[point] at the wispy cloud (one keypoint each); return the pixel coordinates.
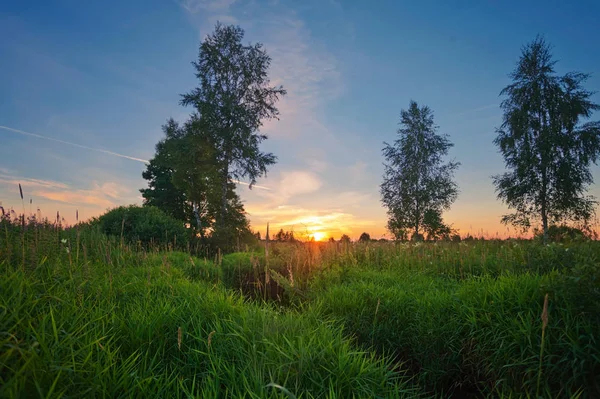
(194, 6)
(97, 197)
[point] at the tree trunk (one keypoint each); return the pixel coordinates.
(544, 207)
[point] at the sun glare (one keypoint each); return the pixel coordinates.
(319, 235)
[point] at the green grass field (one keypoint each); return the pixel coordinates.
(83, 315)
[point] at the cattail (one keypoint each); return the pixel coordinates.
(544, 325)
(179, 338)
(77, 215)
(210, 337)
(21, 191)
(267, 243)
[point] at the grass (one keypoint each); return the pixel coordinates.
(102, 319)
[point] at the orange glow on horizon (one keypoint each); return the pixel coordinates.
(318, 235)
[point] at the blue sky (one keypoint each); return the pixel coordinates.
(107, 75)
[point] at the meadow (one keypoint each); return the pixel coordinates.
(83, 314)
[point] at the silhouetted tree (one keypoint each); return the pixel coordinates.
(331, 239)
(364, 237)
(345, 238)
(434, 226)
(280, 236)
(416, 180)
(186, 160)
(545, 148)
(233, 99)
(161, 191)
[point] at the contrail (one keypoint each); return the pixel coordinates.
(39, 136)
(73, 144)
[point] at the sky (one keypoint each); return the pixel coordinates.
(86, 86)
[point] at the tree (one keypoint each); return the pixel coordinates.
(345, 238)
(284, 236)
(364, 237)
(184, 168)
(435, 227)
(543, 144)
(233, 99)
(280, 236)
(416, 180)
(161, 191)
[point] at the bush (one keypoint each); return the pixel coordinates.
(146, 225)
(563, 233)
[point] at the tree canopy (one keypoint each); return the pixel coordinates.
(546, 149)
(233, 99)
(416, 181)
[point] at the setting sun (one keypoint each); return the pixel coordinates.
(319, 235)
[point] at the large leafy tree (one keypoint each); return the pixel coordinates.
(183, 177)
(162, 192)
(416, 180)
(233, 99)
(546, 149)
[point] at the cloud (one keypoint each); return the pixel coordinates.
(307, 71)
(31, 183)
(195, 6)
(302, 220)
(96, 199)
(78, 197)
(298, 182)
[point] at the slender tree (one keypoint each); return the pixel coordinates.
(232, 100)
(546, 149)
(416, 179)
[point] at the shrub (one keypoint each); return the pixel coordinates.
(146, 225)
(563, 233)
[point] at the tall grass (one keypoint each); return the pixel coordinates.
(82, 314)
(126, 323)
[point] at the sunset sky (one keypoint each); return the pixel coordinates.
(99, 78)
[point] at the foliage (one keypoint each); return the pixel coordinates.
(416, 180)
(162, 192)
(232, 100)
(284, 236)
(434, 226)
(87, 315)
(364, 237)
(95, 330)
(543, 143)
(345, 238)
(563, 233)
(146, 225)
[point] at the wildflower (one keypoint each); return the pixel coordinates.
(68, 250)
(64, 240)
